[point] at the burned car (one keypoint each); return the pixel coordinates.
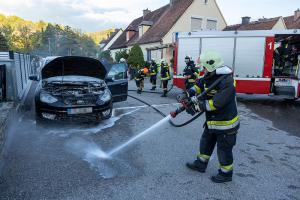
(75, 88)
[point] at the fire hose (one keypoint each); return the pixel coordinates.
(184, 106)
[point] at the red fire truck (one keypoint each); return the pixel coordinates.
(251, 55)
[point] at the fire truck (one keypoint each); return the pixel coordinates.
(251, 56)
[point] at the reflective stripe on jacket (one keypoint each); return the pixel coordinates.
(220, 103)
(165, 73)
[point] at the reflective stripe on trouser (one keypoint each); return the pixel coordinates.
(226, 168)
(203, 157)
(225, 144)
(191, 80)
(223, 125)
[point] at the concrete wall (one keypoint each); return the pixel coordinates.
(197, 9)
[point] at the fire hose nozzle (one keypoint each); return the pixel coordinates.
(173, 114)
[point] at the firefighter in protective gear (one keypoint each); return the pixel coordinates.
(165, 77)
(222, 120)
(139, 79)
(190, 73)
(153, 74)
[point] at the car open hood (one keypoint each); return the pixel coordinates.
(73, 66)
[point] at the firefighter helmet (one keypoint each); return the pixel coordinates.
(122, 60)
(211, 60)
(187, 59)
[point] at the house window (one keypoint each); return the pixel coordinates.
(211, 24)
(196, 24)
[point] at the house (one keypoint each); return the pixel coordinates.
(293, 22)
(276, 23)
(155, 30)
(105, 44)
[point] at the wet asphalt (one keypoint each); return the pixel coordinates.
(62, 161)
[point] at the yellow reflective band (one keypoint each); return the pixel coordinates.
(223, 123)
(203, 157)
(191, 80)
(210, 105)
(197, 89)
(226, 168)
(234, 83)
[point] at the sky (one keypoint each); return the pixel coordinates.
(95, 15)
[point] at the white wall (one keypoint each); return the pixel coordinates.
(279, 25)
(197, 9)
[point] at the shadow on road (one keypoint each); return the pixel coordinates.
(284, 114)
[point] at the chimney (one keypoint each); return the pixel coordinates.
(297, 14)
(146, 12)
(245, 20)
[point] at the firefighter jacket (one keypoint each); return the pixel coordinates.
(140, 75)
(165, 73)
(192, 71)
(153, 70)
(220, 103)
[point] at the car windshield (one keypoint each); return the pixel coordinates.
(118, 71)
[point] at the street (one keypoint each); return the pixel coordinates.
(62, 162)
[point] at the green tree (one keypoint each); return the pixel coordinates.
(106, 55)
(136, 57)
(3, 43)
(121, 54)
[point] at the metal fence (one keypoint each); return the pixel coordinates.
(18, 67)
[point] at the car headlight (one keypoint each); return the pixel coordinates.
(106, 96)
(47, 98)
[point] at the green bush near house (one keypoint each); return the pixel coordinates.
(106, 55)
(121, 54)
(136, 57)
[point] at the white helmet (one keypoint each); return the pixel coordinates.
(211, 60)
(122, 60)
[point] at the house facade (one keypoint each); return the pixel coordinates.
(155, 30)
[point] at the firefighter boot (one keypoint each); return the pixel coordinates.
(222, 177)
(164, 94)
(153, 88)
(197, 165)
(139, 91)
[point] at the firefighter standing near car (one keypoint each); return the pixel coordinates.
(140, 77)
(153, 74)
(190, 73)
(165, 77)
(222, 120)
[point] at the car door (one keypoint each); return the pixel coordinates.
(117, 81)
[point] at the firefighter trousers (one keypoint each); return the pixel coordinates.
(153, 80)
(165, 85)
(140, 84)
(225, 143)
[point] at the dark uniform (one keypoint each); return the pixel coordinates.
(190, 72)
(165, 77)
(153, 74)
(281, 58)
(222, 123)
(139, 80)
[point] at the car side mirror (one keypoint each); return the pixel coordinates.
(109, 79)
(33, 77)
